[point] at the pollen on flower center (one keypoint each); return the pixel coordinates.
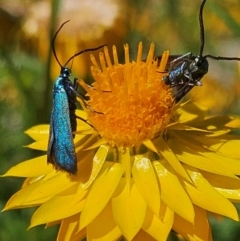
(129, 103)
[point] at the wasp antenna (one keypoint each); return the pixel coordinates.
(221, 57)
(202, 37)
(53, 42)
(83, 51)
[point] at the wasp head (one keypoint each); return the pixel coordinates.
(199, 67)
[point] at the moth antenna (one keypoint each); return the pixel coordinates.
(53, 42)
(202, 36)
(83, 51)
(71, 63)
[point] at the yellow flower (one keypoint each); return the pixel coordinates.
(135, 104)
(145, 168)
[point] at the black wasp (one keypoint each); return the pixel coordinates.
(61, 151)
(186, 71)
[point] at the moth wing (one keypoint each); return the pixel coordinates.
(61, 151)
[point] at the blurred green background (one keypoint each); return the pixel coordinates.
(27, 70)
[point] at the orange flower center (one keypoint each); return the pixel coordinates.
(129, 103)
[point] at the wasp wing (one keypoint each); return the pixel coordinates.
(170, 59)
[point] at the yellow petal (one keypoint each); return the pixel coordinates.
(199, 231)
(68, 228)
(234, 123)
(146, 182)
(30, 180)
(85, 162)
(98, 161)
(100, 193)
(84, 131)
(51, 224)
(75, 236)
(82, 125)
(203, 163)
(152, 224)
(172, 188)
(170, 157)
(228, 187)
(129, 209)
(81, 114)
(83, 128)
(142, 235)
(39, 132)
(103, 227)
(221, 181)
(86, 142)
(230, 165)
(31, 168)
(197, 160)
(191, 111)
(214, 123)
(79, 137)
(125, 159)
(59, 207)
(183, 127)
(39, 145)
(188, 139)
(221, 132)
(17, 200)
(201, 227)
(205, 196)
(97, 144)
(150, 146)
(227, 148)
(49, 187)
(216, 143)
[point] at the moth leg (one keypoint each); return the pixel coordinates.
(81, 96)
(85, 121)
